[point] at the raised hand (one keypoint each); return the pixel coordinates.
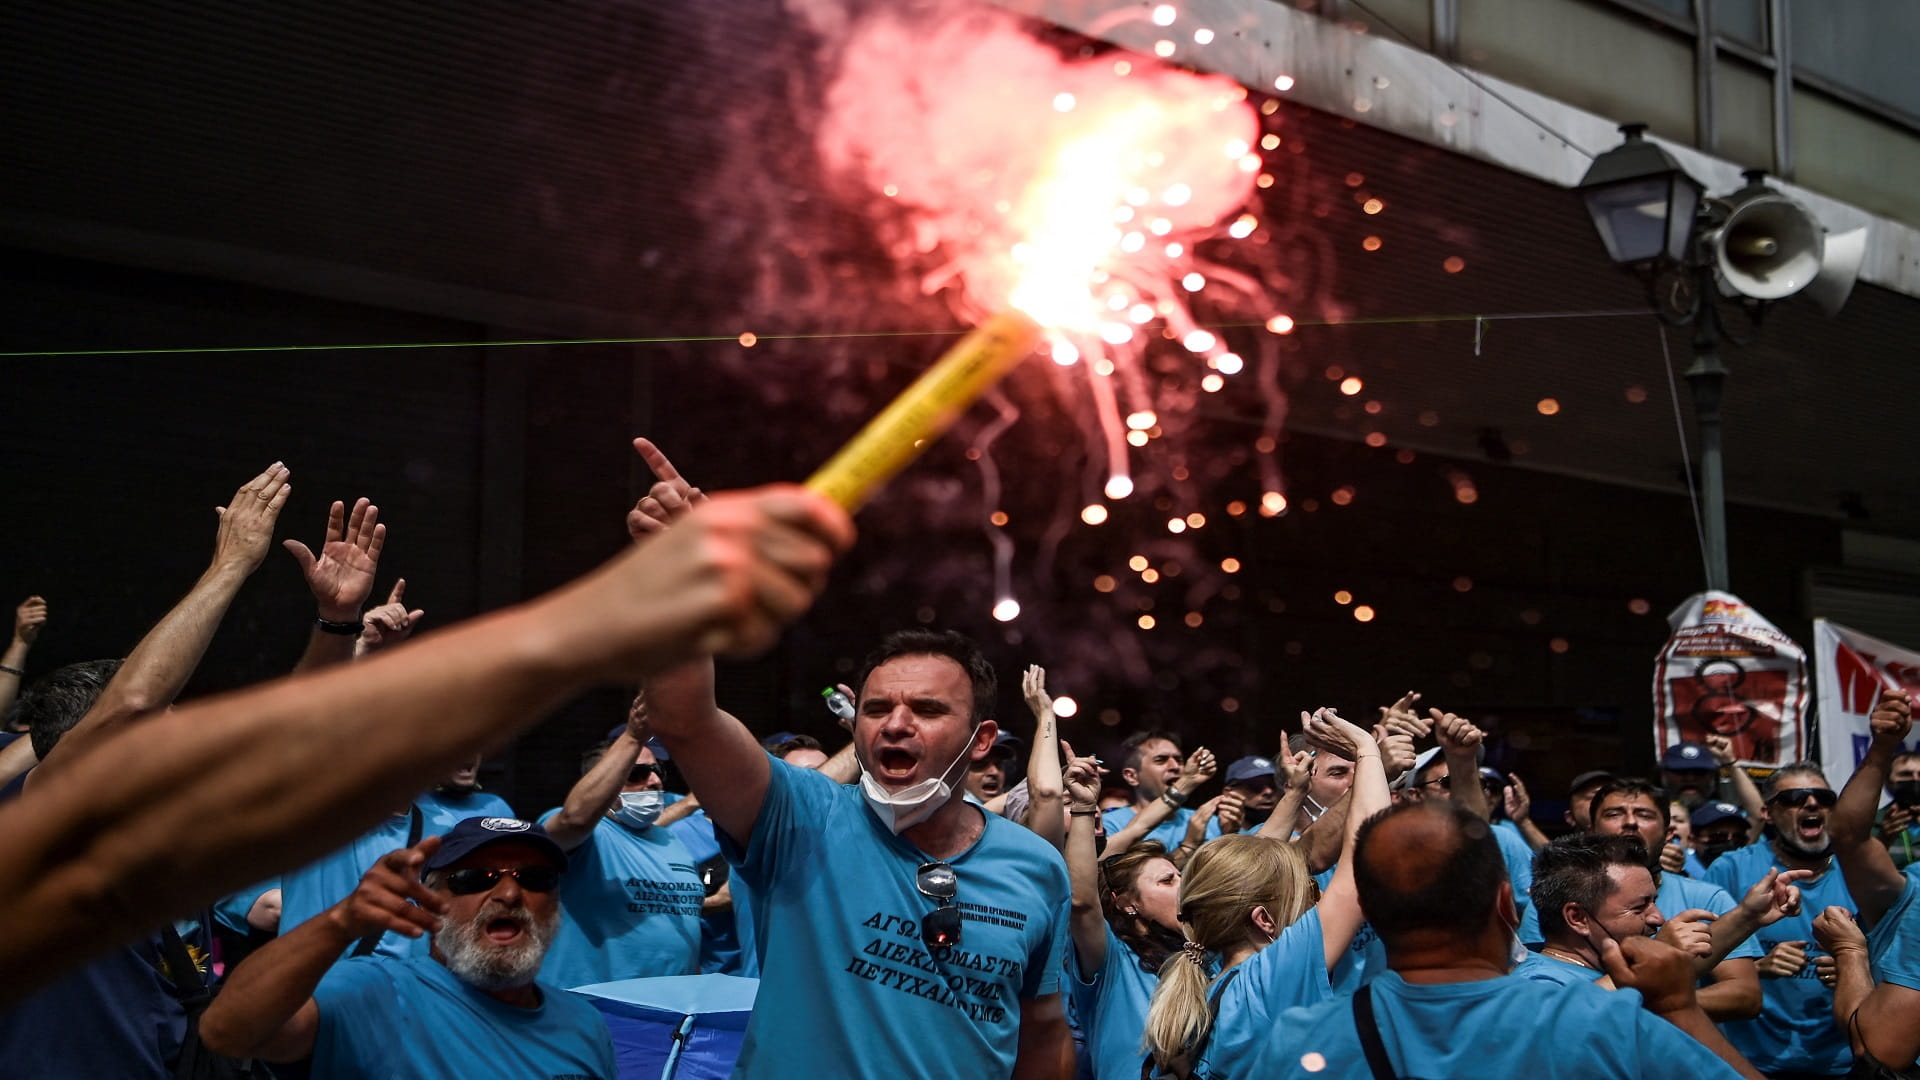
(1892, 716)
(388, 624)
(28, 618)
(1082, 779)
(1519, 806)
(1198, 769)
(1663, 974)
(246, 522)
(1456, 735)
(1296, 768)
(1785, 961)
(667, 501)
(1396, 750)
(1721, 748)
(1400, 718)
(341, 576)
(1691, 932)
(723, 580)
(1673, 858)
(1327, 731)
(1894, 822)
(637, 728)
(381, 901)
(1033, 687)
(1774, 897)
(1231, 812)
(1197, 824)
(1836, 932)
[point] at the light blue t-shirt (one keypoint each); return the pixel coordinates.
(838, 913)
(724, 941)
(1365, 955)
(317, 886)
(445, 810)
(630, 908)
(1694, 868)
(1795, 1031)
(1679, 893)
(1519, 859)
(1893, 945)
(398, 1020)
(1540, 967)
(1289, 973)
(1500, 1027)
(1112, 1007)
(1170, 833)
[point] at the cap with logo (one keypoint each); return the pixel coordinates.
(1686, 756)
(1713, 812)
(1252, 767)
(475, 833)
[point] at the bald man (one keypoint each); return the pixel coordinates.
(1433, 885)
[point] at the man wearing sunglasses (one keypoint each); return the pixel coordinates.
(490, 901)
(632, 890)
(1794, 1032)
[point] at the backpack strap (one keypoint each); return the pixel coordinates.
(415, 823)
(1183, 1065)
(1363, 1021)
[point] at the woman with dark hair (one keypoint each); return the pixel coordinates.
(1123, 928)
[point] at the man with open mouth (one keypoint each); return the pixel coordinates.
(1794, 1032)
(489, 900)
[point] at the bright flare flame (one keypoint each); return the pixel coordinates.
(1007, 610)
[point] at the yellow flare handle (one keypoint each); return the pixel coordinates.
(924, 411)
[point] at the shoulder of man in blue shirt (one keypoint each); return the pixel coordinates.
(1894, 942)
(1577, 1031)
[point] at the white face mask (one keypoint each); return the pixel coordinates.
(902, 810)
(640, 809)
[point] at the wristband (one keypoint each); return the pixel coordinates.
(14, 671)
(1174, 797)
(344, 629)
(1095, 812)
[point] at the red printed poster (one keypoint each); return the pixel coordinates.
(1728, 671)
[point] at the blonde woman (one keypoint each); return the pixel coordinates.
(1247, 904)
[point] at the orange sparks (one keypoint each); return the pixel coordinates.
(1351, 385)
(1548, 406)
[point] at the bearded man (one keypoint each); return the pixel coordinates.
(471, 1008)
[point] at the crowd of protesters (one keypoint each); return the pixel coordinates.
(332, 894)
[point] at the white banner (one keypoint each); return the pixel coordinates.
(1851, 669)
(1728, 671)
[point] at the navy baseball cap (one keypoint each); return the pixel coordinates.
(1682, 757)
(475, 833)
(1716, 811)
(1249, 768)
(1006, 744)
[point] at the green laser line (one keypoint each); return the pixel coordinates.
(1383, 320)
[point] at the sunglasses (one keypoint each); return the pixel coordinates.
(640, 774)
(530, 878)
(1823, 797)
(941, 928)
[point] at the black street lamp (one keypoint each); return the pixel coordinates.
(1755, 245)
